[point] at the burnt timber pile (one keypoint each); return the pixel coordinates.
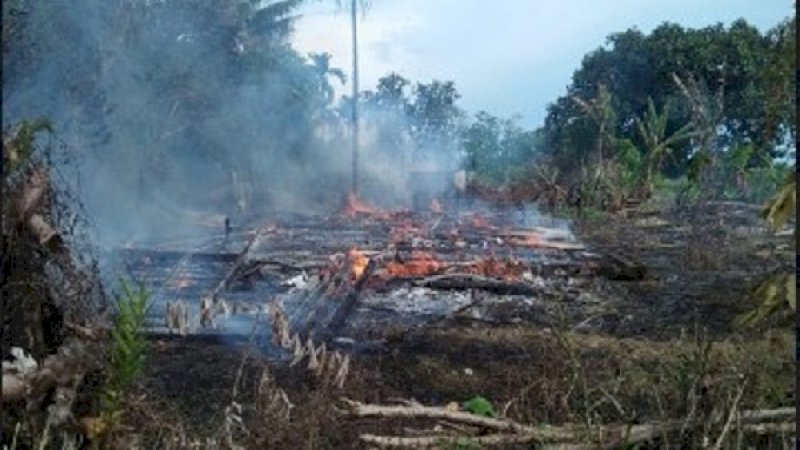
(442, 304)
(348, 278)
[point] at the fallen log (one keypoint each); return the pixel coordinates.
(415, 410)
(533, 242)
(137, 253)
(308, 302)
(569, 436)
(344, 310)
(470, 281)
(437, 441)
(557, 234)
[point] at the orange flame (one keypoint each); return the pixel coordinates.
(419, 265)
(354, 207)
(506, 269)
(358, 263)
(478, 221)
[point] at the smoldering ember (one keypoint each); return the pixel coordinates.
(223, 229)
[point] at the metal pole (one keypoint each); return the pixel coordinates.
(355, 98)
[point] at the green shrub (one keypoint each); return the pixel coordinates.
(128, 345)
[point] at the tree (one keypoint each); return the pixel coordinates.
(497, 150)
(600, 110)
(779, 121)
(321, 67)
(657, 144)
(391, 92)
(434, 115)
(739, 63)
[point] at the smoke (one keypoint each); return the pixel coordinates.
(184, 112)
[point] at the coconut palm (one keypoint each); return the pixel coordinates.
(321, 65)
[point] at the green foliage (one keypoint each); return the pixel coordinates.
(128, 345)
(697, 164)
(601, 111)
(778, 75)
(782, 207)
(391, 94)
(741, 173)
(20, 147)
(774, 295)
(658, 145)
(778, 292)
(480, 406)
(323, 70)
(153, 84)
(630, 162)
(497, 150)
(434, 117)
(719, 87)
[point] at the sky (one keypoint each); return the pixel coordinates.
(507, 57)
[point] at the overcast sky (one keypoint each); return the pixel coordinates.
(505, 56)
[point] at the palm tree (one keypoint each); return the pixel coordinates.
(601, 112)
(652, 128)
(321, 63)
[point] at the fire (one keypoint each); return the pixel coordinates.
(419, 265)
(355, 207)
(496, 268)
(478, 221)
(358, 263)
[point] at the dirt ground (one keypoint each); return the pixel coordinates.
(700, 265)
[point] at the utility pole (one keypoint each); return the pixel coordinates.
(355, 98)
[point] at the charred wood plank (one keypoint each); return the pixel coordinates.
(138, 253)
(309, 308)
(470, 281)
(347, 307)
(241, 260)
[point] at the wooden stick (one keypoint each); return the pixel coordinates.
(615, 435)
(771, 428)
(540, 433)
(438, 441)
(240, 260)
(728, 423)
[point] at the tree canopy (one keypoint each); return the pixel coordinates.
(748, 68)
